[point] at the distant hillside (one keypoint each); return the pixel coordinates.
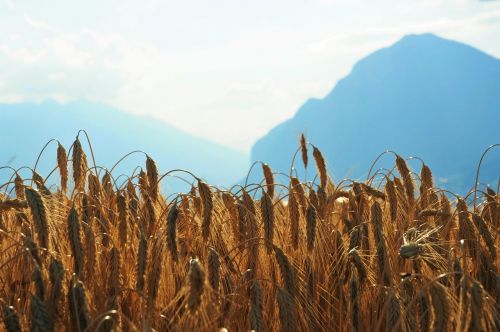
(423, 96)
(26, 127)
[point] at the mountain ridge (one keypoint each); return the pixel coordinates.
(113, 134)
(400, 98)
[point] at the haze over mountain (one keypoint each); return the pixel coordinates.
(423, 96)
(26, 127)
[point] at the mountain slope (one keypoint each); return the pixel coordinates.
(26, 127)
(423, 96)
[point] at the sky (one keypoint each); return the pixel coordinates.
(225, 70)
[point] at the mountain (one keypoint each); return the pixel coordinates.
(423, 96)
(26, 127)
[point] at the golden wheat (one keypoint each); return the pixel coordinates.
(92, 254)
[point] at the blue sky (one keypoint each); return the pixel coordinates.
(224, 70)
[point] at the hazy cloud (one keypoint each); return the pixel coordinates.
(207, 67)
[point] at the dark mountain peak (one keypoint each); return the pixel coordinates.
(424, 49)
(424, 96)
(428, 43)
(426, 37)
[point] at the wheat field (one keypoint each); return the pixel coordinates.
(392, 253)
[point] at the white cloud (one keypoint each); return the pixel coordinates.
(217, 70)
(39, 25)
(9, 4)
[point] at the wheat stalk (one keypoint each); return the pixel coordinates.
(286, 310)
(123, 222)
(303, 149)
(40, 216)
(152, 173)
(267, 212)
(294, 216)
(287, 272)
(78, 306)
(62, 164)
(311, 227)
(196, 277)
(441, 307)
(172, 216)
(75, 240)
(206, 199)
(214, 269)
(19, 187)
(79, 160)
(321, 166)
(268, 175)
(255, 316)
(11, 319)
(142, 259)
(40, 318)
